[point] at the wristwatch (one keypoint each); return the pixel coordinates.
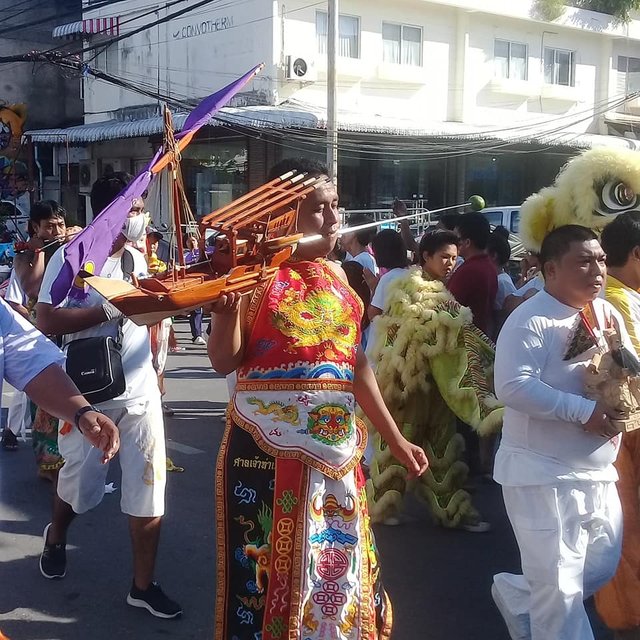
(81, 412)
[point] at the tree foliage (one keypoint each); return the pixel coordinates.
(619, 9)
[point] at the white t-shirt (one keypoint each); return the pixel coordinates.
(536, 283)
(14, 292)
(379, 297)
(543, 440)
(365, 259)
(505, 288)
(136, 345)
(24, 351)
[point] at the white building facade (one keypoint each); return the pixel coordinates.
(436, 99)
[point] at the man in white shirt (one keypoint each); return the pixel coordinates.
(356, 242)
(555, 460)
(137, 412)
(18, 413)
(33, 364)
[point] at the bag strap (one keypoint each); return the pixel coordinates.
(127, 264)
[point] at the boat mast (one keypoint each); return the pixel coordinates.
(174, 168)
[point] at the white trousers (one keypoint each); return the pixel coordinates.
(142, 456)
(19, 414)
(569, 537)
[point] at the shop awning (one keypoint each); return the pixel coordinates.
(109, 26)
(294, 116)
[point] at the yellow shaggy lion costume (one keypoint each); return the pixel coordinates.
(432, 364)
(590, 190)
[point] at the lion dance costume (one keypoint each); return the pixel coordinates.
(591, 190)
(296, 555)
(432, 364)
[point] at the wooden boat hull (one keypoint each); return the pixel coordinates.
(155, 299)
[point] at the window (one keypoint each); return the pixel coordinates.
(401, 44)
(108, 58)
(510, 60)
(215, 173)
(348, 34)
(630, 67)
(559, 67)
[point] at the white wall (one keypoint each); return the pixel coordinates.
(186, 57)
(368, 84)
(207, 48)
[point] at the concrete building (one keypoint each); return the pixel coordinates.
(46, 95)
(438, 99)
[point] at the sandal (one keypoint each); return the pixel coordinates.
(173, 467)
(9, 440)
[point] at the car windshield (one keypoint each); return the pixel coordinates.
(494, 217)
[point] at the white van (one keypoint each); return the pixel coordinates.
(508, 216)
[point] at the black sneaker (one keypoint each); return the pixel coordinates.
(53, 559)
(154, 600)
(9, 440)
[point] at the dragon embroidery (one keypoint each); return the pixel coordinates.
(280, 411)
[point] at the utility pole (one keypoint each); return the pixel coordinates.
(332, 96)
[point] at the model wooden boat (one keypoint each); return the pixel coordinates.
(254, 235)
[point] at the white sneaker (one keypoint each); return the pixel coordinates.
(199, 340)
(517, 627)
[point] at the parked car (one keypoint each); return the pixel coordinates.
(507, 216)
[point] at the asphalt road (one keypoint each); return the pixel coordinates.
(438, 580)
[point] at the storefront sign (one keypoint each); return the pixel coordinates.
(203, 28)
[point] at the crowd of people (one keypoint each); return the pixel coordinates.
(372, 363)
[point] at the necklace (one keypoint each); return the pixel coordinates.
(115, 263)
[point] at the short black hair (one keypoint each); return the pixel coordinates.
(620, 237)
(365, 236)
(449, 220)
(314, 168)
(46, 209)
(389, 249)
(499, 247)
(474, 227)
(431, 242)
(106, 189)
(558, 243)
(501, 231)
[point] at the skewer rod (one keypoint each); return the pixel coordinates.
(379, 223)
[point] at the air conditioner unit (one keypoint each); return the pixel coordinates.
(301, 68)
(87, 175)
(113, 165)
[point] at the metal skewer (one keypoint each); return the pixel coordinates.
(473, 204)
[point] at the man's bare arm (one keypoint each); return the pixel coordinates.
(58, 321)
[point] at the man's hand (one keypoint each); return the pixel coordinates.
(101, 432)
(228, 303)
(399, 209)
(600, 421)
(34, 243)
(411, 456)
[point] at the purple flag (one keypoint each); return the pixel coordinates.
(90, 249)
(213, 103)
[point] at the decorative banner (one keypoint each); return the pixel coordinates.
(14, 175)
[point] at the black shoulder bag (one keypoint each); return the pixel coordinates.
(95, 364)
